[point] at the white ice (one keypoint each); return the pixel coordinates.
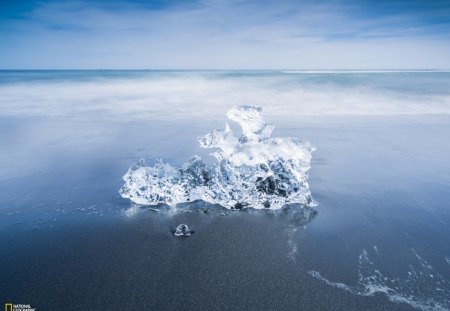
(253, 170)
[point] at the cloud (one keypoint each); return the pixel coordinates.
(224, 34)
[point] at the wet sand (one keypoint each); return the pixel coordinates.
(67, 242)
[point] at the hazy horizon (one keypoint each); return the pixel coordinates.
(312, 70)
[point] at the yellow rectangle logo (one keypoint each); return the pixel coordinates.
(8, 306)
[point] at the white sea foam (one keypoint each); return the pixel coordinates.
(204, 95)
(254, 170)
(318, 276)
(423, 288)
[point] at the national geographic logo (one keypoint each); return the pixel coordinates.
(18, 307)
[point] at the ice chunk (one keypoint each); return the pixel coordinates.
(252, 122)
(182, 230)
(252, 171)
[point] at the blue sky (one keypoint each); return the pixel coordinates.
(219, 34)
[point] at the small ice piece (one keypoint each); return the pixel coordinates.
(254, 170)
(182, 230)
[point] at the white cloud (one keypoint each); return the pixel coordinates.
(217, 34)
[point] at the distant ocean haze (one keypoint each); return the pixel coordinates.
(166, 95)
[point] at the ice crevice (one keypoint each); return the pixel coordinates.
(254, 170)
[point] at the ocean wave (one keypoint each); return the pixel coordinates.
(164, 96)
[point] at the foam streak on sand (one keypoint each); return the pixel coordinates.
(423, 288)
(254, 170)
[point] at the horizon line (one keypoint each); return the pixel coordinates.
(284, 70)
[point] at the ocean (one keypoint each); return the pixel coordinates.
(379, 238)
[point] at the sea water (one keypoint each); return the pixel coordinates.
(378, 239)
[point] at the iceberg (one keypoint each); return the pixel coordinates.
(253, 170)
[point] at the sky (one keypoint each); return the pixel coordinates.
(219, 34)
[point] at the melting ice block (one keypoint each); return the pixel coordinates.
(182, 230)
(254, 170)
